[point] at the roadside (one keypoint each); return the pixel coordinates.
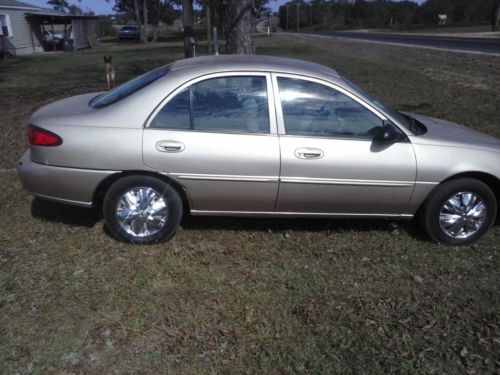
(482, 31)
(434, 32)
(477, 45)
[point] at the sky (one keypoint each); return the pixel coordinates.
(103, 7)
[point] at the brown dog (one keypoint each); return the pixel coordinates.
(110, 72)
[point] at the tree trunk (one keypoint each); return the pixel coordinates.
(156, 32)
(238, 22)
(144, 31)
(138, 16)
(187, 23)
(495, 19)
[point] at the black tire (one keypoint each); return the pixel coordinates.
(161, 189)
(430, 213)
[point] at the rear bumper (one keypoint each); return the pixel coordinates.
(66, 185)
(128, 36)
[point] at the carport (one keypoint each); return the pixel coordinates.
(80, 31)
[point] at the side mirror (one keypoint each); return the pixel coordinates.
(389, 133)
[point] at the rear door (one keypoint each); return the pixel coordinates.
(329, 161)
(217, 137)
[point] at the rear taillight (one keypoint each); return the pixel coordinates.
(41, 137)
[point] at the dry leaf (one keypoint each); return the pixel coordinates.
(418, 279)
(429, 326)
(464, 352)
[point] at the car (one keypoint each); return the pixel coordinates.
(51, 37)
(129, 32)
(257, 136)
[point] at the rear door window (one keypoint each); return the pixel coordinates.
(236, 104)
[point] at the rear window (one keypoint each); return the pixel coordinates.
(128, 88)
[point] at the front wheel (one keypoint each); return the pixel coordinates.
(142, 209)
(459, 211)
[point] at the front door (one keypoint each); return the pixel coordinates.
(217, 137)
(329, 161)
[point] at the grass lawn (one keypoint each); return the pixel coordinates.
(241, 295)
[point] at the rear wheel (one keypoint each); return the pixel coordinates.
(459, 211)
(142, 209)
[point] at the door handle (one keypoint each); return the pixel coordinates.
(170, 146)
(308, 153)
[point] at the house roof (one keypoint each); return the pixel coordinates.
(56, 13)
(34, 10)
(14, 4)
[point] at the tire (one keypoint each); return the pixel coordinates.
(458, 223)
(142, 210)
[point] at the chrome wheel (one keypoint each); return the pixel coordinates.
(462, 215)
(141, 211)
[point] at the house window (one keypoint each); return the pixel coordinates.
(5, 25)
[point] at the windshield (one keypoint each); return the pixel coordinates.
(128, 88)
(403, 120)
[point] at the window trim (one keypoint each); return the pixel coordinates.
(270, 102)
(9, 26)
(342, 90)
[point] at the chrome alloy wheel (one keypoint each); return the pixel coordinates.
(462, 215)
(141, 211)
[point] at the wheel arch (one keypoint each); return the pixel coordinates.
(103, 187)
(490, 180)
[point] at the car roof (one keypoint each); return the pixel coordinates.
(225, 63)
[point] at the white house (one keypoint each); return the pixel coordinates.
(22, 27)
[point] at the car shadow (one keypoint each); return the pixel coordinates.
(88, 217)
(301, 225)
(61, 213)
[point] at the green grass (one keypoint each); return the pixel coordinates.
(240, 295)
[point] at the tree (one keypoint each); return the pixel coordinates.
(73, 9)
(187, 23)
(60, 5)
(233, 18)
(161, 11)
(238, 25)
(147, 12)
(495, 19)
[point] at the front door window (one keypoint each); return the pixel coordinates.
(312, 109)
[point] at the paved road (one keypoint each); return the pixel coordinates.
(469, 44)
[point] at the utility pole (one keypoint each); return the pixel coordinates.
(310, 14)
(209, 27)
(298, 8)
(287, 18)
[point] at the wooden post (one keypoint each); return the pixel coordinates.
(53, 36)
(216, 42)
(298, 20)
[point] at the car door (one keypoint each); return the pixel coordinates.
(329, 161)
(217, 137)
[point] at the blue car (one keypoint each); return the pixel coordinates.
(129, 32)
